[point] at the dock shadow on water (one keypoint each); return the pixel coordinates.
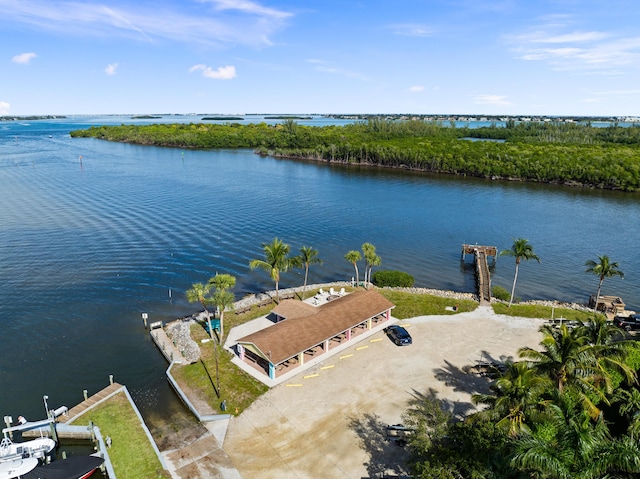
(386, 457)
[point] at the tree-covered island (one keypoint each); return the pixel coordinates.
(546, 152)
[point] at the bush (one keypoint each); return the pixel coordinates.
(500, 293)
(392, 278)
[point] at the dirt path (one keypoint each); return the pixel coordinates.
(329, 422)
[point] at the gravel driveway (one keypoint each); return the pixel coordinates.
(329, 421)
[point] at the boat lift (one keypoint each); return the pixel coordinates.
(29, 425)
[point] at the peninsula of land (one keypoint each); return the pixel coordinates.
(564, 153)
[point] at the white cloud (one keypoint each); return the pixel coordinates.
(416, 88)
(111, 69)
(411, 30)
(249, 7)
(211, 22)
(498, 100)
(4, 108)
(221, 73)
(604, 52)
(24, 58)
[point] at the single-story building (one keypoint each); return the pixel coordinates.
(302, 330)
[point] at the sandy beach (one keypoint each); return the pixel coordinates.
(329, 421)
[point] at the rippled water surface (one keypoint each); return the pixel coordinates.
(87, 246)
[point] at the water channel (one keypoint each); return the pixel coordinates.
(88, 245)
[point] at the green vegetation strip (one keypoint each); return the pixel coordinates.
(543, 312)
(131, 454)
(409, 305)
(554, 152)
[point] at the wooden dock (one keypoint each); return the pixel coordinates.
(91, 401)
(165, 345)
(483, 278)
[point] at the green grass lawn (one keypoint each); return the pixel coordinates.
(539, 311)
(131, 453)
(237, 388)
(409, 305)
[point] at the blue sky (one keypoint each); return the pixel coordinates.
(509, 57)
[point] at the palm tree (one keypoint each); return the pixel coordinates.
(222, 297)
(374, 260)
(521, 250)
(603, 268)
(353, 257)
(579, 448)
(573, 363)
(198, 293)
(307, 257)
(276, 261)
(368, 251)
(516, 396)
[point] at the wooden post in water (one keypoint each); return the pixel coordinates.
(145, 316)
(110, 378)
(84, 393)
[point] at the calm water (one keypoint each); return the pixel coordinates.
(85, 248)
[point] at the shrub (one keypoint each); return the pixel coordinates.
(500, 293)
(392, 278)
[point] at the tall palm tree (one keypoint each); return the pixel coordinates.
(353, 257)
(199, 294)
(603, 268)
(374, 260)
(307, 257)
(222, 297)
(521, 250)
(276, 260)
(369, 252)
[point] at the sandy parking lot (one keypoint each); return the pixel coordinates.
(331, 425)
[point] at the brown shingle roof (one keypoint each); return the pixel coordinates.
(292, 308)
(297, 334)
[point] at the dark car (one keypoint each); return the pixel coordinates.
(628, 323)
(399, 335)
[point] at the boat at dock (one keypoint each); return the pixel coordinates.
(18, 459)
(75, 467)
(17, 468)
(37, 448)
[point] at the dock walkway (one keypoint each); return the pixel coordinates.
(91, 401)
(166, 346)
(483, 278)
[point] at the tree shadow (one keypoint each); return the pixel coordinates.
(457, 409)
(386, 457)
(475, 377)
(213, 383)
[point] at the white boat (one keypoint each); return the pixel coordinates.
(36, 448)
(16, 468)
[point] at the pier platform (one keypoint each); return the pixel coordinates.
(91, 401)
